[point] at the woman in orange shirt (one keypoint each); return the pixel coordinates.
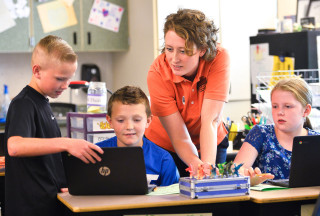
(188, 85)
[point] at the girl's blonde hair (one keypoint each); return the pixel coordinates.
(300, 89)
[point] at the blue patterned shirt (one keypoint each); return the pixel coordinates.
(272, 157)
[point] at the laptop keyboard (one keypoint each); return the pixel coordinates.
(280, 182)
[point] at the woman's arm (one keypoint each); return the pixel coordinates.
(180, 138)
(210, 118)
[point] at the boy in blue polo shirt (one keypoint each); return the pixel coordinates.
(129, 115)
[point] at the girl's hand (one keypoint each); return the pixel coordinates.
(64, 190)
(256, 177)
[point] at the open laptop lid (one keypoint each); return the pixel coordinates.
(305, 162)
(121, 172)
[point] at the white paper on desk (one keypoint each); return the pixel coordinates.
(165, 190)
(106, 15)
(6, 22)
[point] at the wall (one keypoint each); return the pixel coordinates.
(286, 8)
(131, 68)
(15, 71)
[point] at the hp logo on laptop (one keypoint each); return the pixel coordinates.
(104, 171)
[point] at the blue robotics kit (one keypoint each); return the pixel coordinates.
(226, 184)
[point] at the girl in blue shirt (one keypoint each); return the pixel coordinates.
(268, 148)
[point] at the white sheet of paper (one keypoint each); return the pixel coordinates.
(6, 21)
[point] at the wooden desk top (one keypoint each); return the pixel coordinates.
(285, 195)
(1, 173)
(108, 203)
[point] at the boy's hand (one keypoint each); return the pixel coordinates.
(85, 151)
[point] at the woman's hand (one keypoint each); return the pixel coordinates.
(256, 177)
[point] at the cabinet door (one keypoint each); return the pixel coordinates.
(16, 39)
(70, 34)
(100, 39)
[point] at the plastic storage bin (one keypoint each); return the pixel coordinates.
(91, 127)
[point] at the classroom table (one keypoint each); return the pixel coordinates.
(278, 202)
(146, 204)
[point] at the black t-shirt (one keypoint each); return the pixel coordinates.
(32, 183)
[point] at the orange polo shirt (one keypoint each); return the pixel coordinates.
(170, 93)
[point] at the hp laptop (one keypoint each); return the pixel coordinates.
(121, 172)
(305, 163)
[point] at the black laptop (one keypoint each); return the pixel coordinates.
(121, 172)
(305, 163)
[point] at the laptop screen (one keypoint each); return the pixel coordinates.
(305, 161)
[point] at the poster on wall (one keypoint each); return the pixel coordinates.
(260, 61)
(106, 15)
(6, 22)
(56, 15)
(10, 10)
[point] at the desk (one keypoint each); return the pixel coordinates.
(277, 202)
(144, 204)
(280, 202)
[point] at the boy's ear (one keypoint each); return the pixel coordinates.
(149, 119)
(109, 120)
(36, 70)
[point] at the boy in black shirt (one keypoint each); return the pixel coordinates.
(34, 169)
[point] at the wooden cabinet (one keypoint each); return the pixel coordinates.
(70, 34)
(82, 36)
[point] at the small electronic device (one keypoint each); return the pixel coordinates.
(120, 172)
(305, 162)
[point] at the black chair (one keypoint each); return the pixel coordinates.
(60, 109)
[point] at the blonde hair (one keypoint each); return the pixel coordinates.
(56, 47)
(196, 29)
(300, 89)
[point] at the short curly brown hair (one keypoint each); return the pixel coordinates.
(195, 28)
